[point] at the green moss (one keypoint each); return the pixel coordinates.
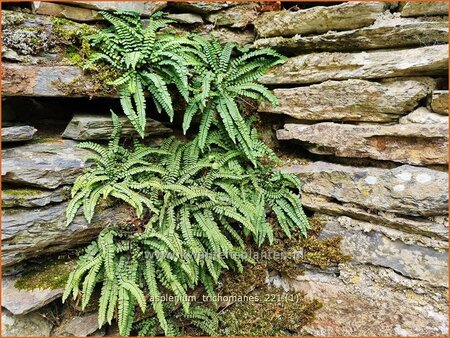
(269, 311)
(50, 275)
(22, 192)
(45, 139)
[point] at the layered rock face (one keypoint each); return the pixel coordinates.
(365, 104)
(362, 120)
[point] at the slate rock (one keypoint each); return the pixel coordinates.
(419, 144)
(48, 164)
(98, 127)
(18, 133)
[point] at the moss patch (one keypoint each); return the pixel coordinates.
(52, 274)
(271, 312)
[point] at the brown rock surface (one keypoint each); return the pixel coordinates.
(418, 144)
(350, 100)
(319, 67)
(319, 19)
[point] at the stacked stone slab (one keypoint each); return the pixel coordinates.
(363, 87)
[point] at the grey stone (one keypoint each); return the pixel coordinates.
(389, 33)
(49, 81)
(417, 8)
(439, 102)
(237, 16)
(78, 326)
(67, 12)
(188, 18)
(20, 302)
(202, 7)
(145, 8)
(367, 245)
(29, 325)
(432, 231)
(28, 233)
(18, 134)
(405, 190)
(319, 19)
(98, 127)
(350, 100)
(47, 164)
(368, 300)
(421, 144)
(32, 198)
(423, 116)
(319, 67)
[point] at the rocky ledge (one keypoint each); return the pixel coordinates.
(419, 144)
(351, 100)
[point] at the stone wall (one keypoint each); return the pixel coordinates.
(362, 121)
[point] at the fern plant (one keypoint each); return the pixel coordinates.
(224, 75)
(146, 59)
(197, 209)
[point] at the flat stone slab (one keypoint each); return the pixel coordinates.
(419, 144)
(48, 164)
(432, 231)
(417, 8)
(319, 67)
(368, 300)
(366, 244)
(388, 33)
(67, 12)
(20, 302)
(18, 134)
(405, 190)
(145, 8)
(439, 102)
(33, 198)
(98, 127)
(350, 100)
(29, 325)
(49, 81)
(79, 326)
(202, 7)
(238, 16)
(319, 19)
(423, 116)
(30, 232)
(189, 18)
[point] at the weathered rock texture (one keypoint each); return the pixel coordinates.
(439, 102)
(67, 12)
(320, 19)
(413, 144)
(418, 8)
(145, 8)
(318, 67)
(50, 81)
(237, 16)
(423, 116)
(368, 245)
(202, 7)
(32, 198)
(18, 134)
(406, 190)
(383, 302)
(97, 127)
(30, 325)
(20, 302)
(390, 33)
(350, 100)
(48, 164)
(28, 233)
